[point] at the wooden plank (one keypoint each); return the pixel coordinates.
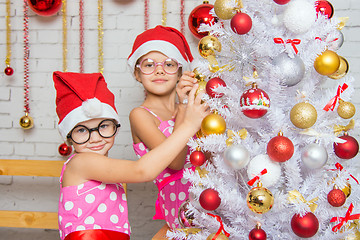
(25, 219)
(161, 234)
(41, 168)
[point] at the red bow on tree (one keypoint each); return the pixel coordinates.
(221, 226)
(345, 219)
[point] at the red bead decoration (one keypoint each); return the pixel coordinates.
(241, 23)
(281, 2)
(197, 158)
(201, 14)
(254, 102)
(212, 84)
(9, 71)
(324, 7)
(209, 199)
(346, 150)
(64, 149)
(306, 226)
(257, 234)
(280, 149)
(336, 198)
(45, 7)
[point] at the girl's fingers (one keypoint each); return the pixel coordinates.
(192, 93)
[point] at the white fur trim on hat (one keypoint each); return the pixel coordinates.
(164, 47)
(90, 109)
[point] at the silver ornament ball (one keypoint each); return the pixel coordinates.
(236, 156)
(291, 69)
(336, 44)
(314, 156)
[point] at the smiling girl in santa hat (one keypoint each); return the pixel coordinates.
(92, 202)
(158, 57)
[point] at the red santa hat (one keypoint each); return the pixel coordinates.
(166, 40)
(81, 97)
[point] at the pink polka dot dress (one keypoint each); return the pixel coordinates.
(173, 188)
(92, 205)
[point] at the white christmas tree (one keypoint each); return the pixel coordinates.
(278, 147)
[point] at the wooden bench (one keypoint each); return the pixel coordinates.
(161, 234)
(31, 168)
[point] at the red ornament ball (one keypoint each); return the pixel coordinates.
(64, 149)
(254, 102)
(241, 23)
(336, 198)
(257, 234)
(197, 158)
(9, 71)
(212, 84)
(282, 2)
(201, 14)
(209, 199)
(346, 150)
(324, 7)
(280, 149)
(306, 226)
(45, 7)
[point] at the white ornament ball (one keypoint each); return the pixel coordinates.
(258, 163)
(337, 42)
(299, 16)
(314, 156)
(292, 70)
(236, 156)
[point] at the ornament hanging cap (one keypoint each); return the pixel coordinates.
(166, 40)
(81, 97)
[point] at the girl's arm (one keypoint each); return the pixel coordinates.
(145, 128)
(92, 166)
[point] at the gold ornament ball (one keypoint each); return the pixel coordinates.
(260, 200)
(213, 124)
(303, 115)
(342, 70)
(347, 190)
(208, 45)
(346, 110)
(223, 9)
(26, 122)
(327, 63)
(220, 237)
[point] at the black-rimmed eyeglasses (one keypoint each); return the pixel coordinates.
(81, 134)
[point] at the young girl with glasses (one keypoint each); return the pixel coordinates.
(92, 201)
(158, 58)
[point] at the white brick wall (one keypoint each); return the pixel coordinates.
(123, 20)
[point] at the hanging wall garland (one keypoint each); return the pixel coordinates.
(64, 23)
(81, 30)
(26, 122)
(8, 70)
(182, 17)
(100, 36)
(164, 8)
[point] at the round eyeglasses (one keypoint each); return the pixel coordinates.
(81, 134)
(148, 66)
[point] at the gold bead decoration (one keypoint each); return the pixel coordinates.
(303, 115)
(342, 70)
(327, 63)
(220, 237)
(346, 110)
(213, 124)
(260, 200)
(208, 45)
(26, 122)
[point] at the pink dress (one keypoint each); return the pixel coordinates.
(173, 188)
(92, 205)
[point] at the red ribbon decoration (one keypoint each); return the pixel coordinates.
(257, 177)
(332, 103)
(345, 219)
(318, 38)
(221, 226)
(340, 168)
(293, 42)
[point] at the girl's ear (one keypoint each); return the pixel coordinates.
(137, 75)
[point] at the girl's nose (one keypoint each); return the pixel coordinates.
(95, 137)
(159, 69)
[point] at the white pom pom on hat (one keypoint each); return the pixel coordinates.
(81, 97)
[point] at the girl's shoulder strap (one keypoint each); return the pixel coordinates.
(64, 167)
(151, 112)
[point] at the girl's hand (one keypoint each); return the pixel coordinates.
(185, 85)
(195, 110)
